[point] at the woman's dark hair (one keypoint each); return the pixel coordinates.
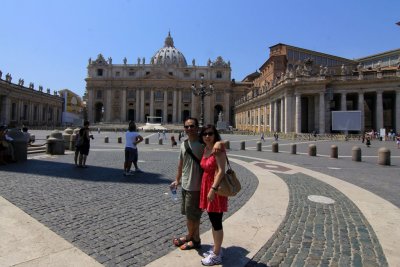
(217, 136)
(132, 126)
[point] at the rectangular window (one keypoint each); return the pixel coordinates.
(186, 74)
(131, 73)
(99, 94)
(219, 75)
(186, 97)
(117, 74)
(99, 72)
(132, 94)
(159, 96)
(170, 96)
(219, 97)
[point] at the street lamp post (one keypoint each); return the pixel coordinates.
(202, 91)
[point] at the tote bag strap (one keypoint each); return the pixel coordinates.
(227, 162)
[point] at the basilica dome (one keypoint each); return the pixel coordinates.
(169, 54)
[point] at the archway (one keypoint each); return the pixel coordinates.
(99, 112)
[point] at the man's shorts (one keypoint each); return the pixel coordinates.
(190, 205)
(131, 154)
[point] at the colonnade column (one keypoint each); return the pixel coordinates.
(343, 102)
(259, 119)
(361, 109)
(322, 112)
(275, 116)
(288, 114)
(282, 115)
(397, 114)
(298, 113)
(379, 111)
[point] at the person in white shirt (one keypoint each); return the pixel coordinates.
(132, 138)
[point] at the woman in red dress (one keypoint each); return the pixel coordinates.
(213, 165)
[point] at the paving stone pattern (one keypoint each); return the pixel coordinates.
(315, 234)
(117, 220)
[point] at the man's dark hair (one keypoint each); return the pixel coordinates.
(86, 123)
(132, 126)
(196, 122)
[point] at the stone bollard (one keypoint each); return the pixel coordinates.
(227, 145)
(312, 150)
(67, 137)
(242, 145)
(356, 153)
(275, 147)
(106, 139)
(334, 151)
(119, 140)
(160, 141)
(19, 144)
(55, 143)
(293, 149)
(146, 141)
(384, 156)
(259, 146)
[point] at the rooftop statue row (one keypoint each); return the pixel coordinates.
(8, 79)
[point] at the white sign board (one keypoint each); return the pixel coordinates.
(346, 120)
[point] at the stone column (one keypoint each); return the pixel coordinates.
(379, 111)
(90, 106)
(174, 117)
(123, 105)
(322, 113)
(180, 105)
(259, 119)
(272, 116)
(142, 118)
(276, 119)
(151, 102)
(108, 105)
(227, 111)
(397, 110)
(137, 105)
(282, 117)
(361, 108)
(298, 113)
(288, 114)
(165, 111)
(343, 103)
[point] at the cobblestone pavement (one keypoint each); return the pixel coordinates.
(319, 234)
(123, 221)
(117, 220)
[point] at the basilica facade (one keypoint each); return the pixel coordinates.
(162, 88)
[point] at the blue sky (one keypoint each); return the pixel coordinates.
(49, 42)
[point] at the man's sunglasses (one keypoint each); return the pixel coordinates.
(189, 126)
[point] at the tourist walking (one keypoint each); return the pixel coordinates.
(132, 138)
(84, 147)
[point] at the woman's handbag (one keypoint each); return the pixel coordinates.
(229, 185)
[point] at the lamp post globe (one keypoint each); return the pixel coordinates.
(202, 91)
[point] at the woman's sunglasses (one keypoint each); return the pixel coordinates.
(208, 134)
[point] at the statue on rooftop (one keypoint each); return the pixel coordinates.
(125, 60)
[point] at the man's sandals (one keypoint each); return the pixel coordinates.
(185, 244)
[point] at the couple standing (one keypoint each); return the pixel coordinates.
(200, 169)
